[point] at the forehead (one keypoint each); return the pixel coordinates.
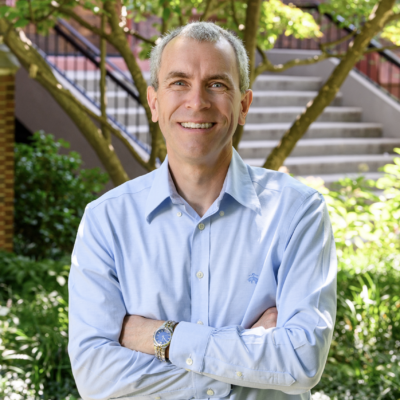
(193, 57)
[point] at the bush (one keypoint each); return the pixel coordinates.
(51, 192)
(33, 329)
(364, 359)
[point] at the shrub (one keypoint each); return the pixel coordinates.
(364, 359)
(33, 329)
(51, 192)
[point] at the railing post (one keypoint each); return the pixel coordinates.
(8, 67)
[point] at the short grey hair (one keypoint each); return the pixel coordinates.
(202, 32)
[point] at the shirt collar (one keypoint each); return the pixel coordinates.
(240, 185)
(237, 184)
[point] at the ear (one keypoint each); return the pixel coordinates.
(247, 98)
(152, 100)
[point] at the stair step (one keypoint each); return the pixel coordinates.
(331, 178)
(318, 147)
(289, 98)
(316, 130)
(305, 166)
(289, 114)
(285, 82)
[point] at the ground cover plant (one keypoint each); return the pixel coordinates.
(364, 360)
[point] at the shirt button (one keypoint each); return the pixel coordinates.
(179, 214)
(157, 398)
(221, 213)
(201, 226)
(200, 322)
(238, 373)
(199, 274)
(210, 392)
(189, 361)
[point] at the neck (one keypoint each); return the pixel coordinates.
(200, 183)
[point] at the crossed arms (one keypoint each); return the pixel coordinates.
(289, 357)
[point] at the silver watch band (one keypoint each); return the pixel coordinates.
(160, 350)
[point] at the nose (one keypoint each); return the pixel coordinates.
(198, 98)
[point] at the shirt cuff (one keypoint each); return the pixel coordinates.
(188, 346)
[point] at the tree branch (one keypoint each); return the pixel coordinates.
(133, 33)
(31, 11)
(293, 63)
(204, 16)
(68, 12)
(119, 40)
(103, 97)
(323, 46)
(394, 17)
(234, 17)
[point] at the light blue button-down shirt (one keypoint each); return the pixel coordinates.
(141, 249)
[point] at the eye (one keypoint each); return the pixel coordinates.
(178, 83)
(218, 85)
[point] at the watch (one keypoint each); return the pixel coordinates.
(162, 338)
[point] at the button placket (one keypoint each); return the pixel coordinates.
(200, 273)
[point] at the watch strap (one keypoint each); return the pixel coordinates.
(160, 350)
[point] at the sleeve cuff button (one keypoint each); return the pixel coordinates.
(189, 361)
(210, 392)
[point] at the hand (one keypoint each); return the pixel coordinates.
(137, 333)
(268, 319)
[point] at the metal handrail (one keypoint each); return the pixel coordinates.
(93, 59)
(71, 51)
(92, 47)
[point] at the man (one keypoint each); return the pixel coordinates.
(200, 252)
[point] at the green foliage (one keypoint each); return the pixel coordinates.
(357, 12)
(364, 359)
(51, 192)
(34, 329)
(276, 17)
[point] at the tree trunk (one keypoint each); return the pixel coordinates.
(329, 90)
(250, 43)
(121, 43)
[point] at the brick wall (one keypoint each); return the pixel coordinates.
(7, 91)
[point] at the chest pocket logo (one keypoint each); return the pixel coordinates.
(253, 278)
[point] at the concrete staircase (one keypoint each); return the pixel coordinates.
(338, 144)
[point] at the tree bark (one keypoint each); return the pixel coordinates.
(327, 93)
(103, 97)
(119, 41)
(29, 57)
(250, 43)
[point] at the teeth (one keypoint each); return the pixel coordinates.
(196, 126)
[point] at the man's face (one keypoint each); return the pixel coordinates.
(198, 84)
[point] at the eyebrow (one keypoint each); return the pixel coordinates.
(180, 74)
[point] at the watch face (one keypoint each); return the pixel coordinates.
(163, 336)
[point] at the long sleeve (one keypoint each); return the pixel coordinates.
(102, 368)
(292, 356)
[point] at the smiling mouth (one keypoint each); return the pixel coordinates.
(194, 125)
